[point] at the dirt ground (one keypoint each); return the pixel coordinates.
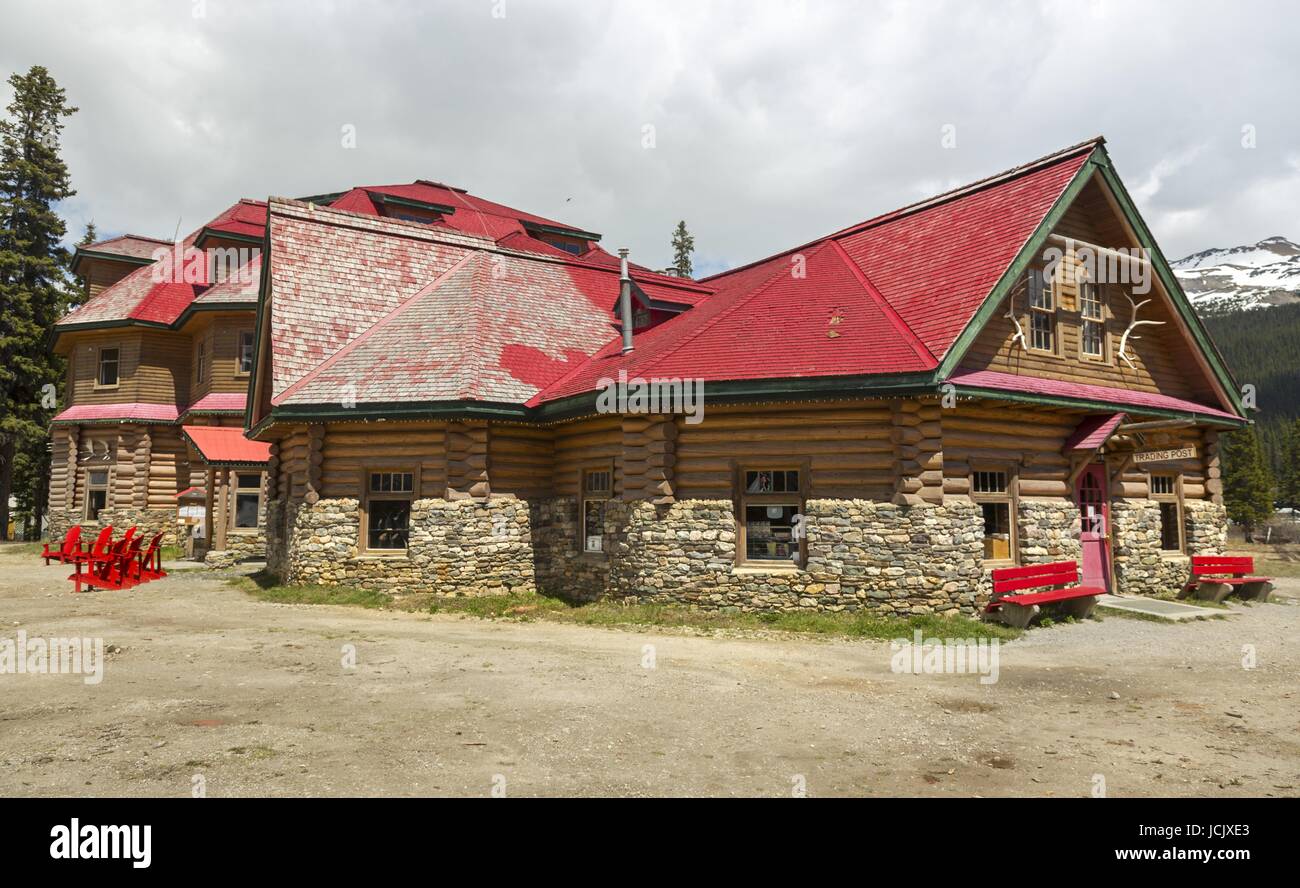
(206, 686)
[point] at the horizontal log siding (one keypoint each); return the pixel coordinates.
(847, 444)
(350, 448)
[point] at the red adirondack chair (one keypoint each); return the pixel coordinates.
(67, 549)
(111, 572)
(148, 566)
(100, 549)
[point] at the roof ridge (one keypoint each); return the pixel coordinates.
(926, 203)
(352, 344)
(475, 364)
(886, 308)
(486, 244)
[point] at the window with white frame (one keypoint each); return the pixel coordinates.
(597, 486)
(245, 351)
(1092, 342)
(109, 365)
(1042, 312)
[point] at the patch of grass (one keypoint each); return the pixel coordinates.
(266, 587)
(613, 614)
(21, 550)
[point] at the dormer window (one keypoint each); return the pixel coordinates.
(570, 247)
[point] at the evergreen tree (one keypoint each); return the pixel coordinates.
(83, 282)
(33, 265)
(1247, 480)
(1288, 478)
(683, 247)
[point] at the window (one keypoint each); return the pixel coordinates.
(566, 246)
(771, 506)
(1093, 335)
(109, 359)
(201, 361)
(248, 499)
(96, 493)
(388, 510)
(991, 489)
(596, 487)
(1042, 312)
(245, 351)
(1166, 491)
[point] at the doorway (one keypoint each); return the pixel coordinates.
(1094, 526)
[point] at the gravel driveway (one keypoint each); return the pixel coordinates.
(206, 687)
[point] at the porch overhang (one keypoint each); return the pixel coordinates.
(226, 446)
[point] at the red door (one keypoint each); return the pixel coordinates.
(1094, 526)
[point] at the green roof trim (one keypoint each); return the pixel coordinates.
(381, 198)
(543, 228)
(1089, 404)
(1099, 163)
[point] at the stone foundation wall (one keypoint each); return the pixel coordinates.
(147, 521)
(560, 567)
(239, 547)
(1205, 527)
(862, 555)
(1048, 531)
(458, 547)
(1141, 566)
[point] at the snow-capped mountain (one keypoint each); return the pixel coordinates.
(1246, 277)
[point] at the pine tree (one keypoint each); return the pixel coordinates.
(1247, 480)
(83, 282)
(33, 265)
(683, 247)
(1288, 476)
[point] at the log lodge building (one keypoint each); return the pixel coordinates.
(408, 387)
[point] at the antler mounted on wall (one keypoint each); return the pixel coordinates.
(1133, 324)
(1011, 313)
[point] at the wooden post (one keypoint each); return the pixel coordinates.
(218, 536)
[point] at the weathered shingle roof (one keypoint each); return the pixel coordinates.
(482, 324)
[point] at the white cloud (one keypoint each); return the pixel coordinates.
(775, 122)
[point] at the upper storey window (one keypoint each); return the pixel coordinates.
(1092, 338)
(246, 351)
(109, 361)
(1042, 312)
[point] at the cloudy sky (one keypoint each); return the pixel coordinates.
(763, 125)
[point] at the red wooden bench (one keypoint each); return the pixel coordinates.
(67, 550)
(1214, 576)
(1059, 584)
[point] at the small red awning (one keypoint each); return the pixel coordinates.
(1094, 431)
(225, 445)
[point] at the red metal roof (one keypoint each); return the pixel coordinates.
(1093, 431)
(226, 444)
(818, 318)
(119, 412)
(224, 402)
(990, 379)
